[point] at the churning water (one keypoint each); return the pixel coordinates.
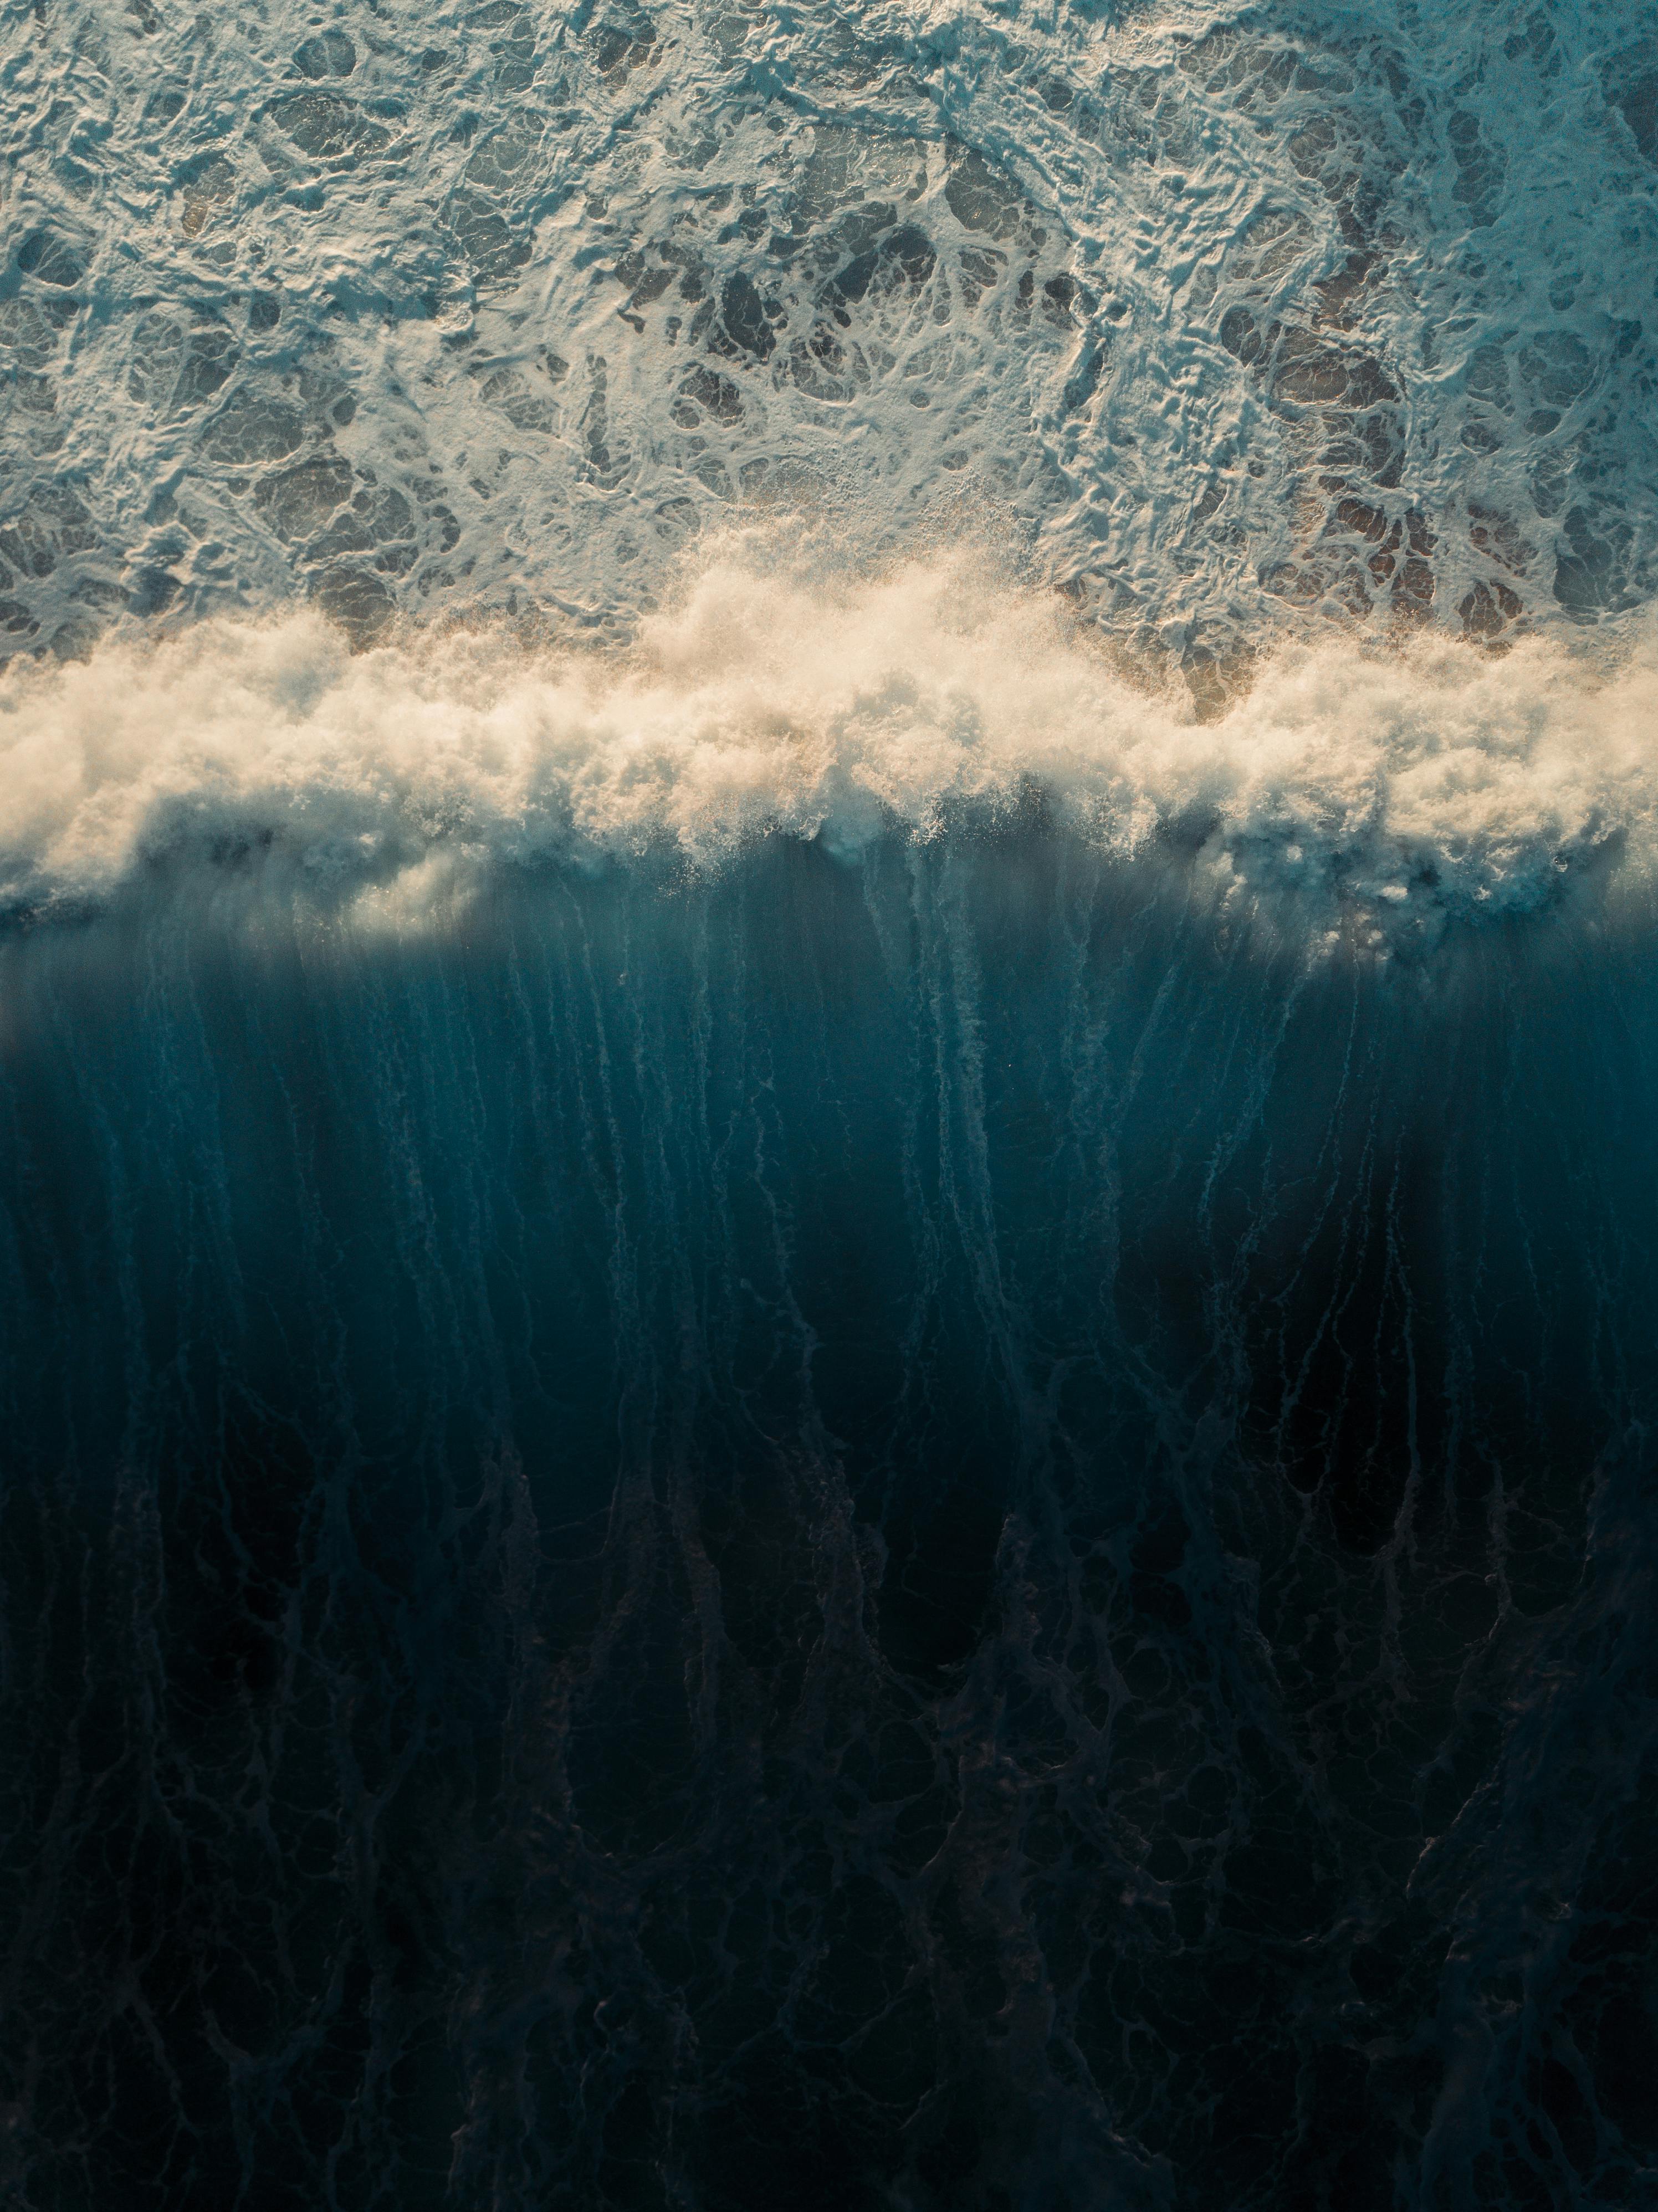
(829, 1190)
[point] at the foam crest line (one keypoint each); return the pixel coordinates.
(1400, 788)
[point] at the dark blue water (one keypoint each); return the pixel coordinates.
(904, 1534)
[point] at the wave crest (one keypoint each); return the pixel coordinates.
(1384, 791)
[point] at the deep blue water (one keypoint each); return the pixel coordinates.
(891, 1534)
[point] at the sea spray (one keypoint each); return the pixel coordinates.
(1387, 790)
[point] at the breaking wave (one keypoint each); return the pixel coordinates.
(822, 1411)
(1380, 793)
(828, 1201)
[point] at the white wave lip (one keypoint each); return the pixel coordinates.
(1410, 786)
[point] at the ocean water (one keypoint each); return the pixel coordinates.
(828, 1198)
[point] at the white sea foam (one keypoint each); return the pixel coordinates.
(495, 306)
(1397, 787)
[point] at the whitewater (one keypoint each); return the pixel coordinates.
(1379, 794)
(829, 1207)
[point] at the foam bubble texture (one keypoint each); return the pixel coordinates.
(1232, 321)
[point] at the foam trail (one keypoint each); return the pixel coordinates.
(1227, 315)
